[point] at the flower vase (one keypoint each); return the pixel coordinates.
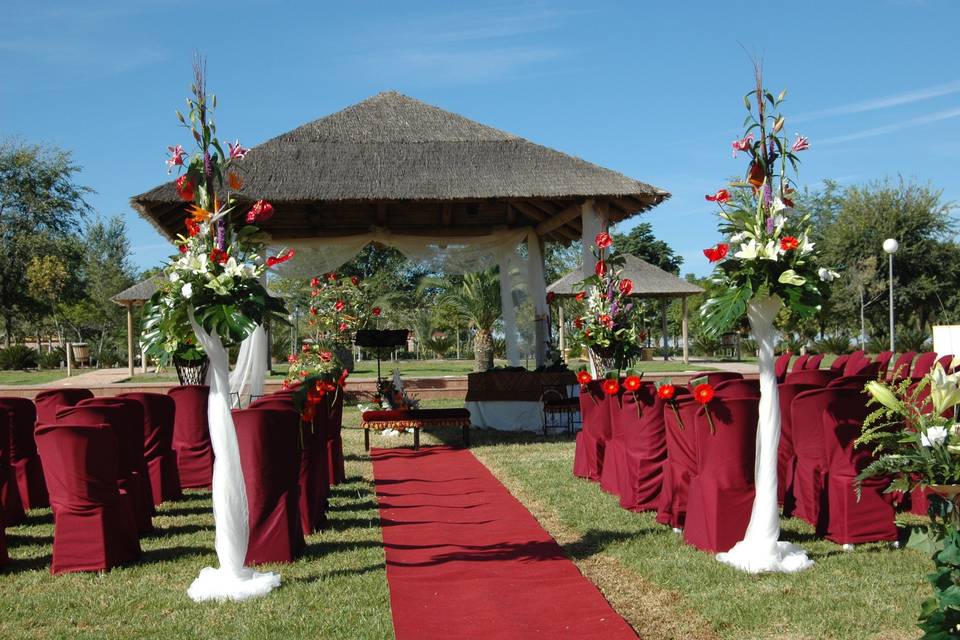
(760, 550)
(602, 360)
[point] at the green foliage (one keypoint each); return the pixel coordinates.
(18, 356)
(909, 339)
(838, 344)
(52, 359)
(640, 242)
(940, 613)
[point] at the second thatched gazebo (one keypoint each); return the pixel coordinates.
(649, 281)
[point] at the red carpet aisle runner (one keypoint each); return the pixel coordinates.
(466, 560)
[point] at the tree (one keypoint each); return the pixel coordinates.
(38, 198)
(640, 242)
(476, 301)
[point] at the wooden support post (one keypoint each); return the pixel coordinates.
(562, 333)
(68, 354)
(130, 338)
(683, 329)
(663, 339)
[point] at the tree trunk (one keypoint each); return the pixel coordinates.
(8, 324)
(482, 351)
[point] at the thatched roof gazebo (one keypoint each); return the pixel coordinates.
(393, 165)
(130, 297)
(649, 281)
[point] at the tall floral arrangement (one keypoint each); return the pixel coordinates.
(608, 326)
(765, 261)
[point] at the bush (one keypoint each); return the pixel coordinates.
(705, 345)
(838, 344)
(19, 356)
(52, 359)
(748, 346)
(109, 356)
(792, 344)
(876, 344)
(911, 340)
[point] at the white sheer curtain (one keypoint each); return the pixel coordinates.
(250, 371)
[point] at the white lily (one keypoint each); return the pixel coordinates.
(933, 436)
(748, 251)
(771, 251)
(187, 290)
(944, 391)
(806, 247)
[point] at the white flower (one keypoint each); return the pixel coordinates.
(748, 251)
(738, 237)
(944, 391)
(174, 277)
(827, 275)
(779, 205)
(806, 247)
(771, 251)
(934, 435)
(187, 290)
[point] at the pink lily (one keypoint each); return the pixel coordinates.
(176, 157)
(800, 144)
(236, 151)
(743, 144)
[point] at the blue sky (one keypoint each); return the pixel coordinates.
(651, 89)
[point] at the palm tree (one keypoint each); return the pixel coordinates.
(476, 301)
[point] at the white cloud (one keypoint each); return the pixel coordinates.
(885, 102)
(893, 127)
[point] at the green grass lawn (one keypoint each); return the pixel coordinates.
(31, 377)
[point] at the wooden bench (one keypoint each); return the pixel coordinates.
(415, 419)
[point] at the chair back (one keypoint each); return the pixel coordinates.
(800, 362)
(716, 377)
(947, 363)
(127, 444)
(786, 394)
(159, 414)
(595, 410)
(866, 369)
(901, 368)
(190, 426)
(23, 420)
(839, 364)
(858, 360)
(858, 382)
(883, 359)
(816, 377)
(738, 389)
(79, 463)
(131, 423)
(681, 431)
(49, 400)
(842, 421)
(269, 443)
(813, 363)
(924, 364)
(781, 365)
(727, 455)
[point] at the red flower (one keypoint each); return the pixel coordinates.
(261, 211)
(313, 310)
(303, 374)
(631, 383)
(343, 377)
(578, 323)
(580, 297)
(376, 312)
(606, 321)
(720, 196)
(583, 376)
(343, 327)
(292, 358)
(283, 257)
(305, 348)
(611, 386)
(703, 393)
(339, 305)
(315, 282)
(551, 296)
(285, 384)
(603, 240)
(800, 144)
(666, 391)
(601, 268)
(789, 242)
(756, 175)
(716, 253)
(192, 227)
(184, 188)
(626, 286)
(331, 277)
(787, 201)
(218, 256)
(743, 144)
(236, 182)
(326, 356)
(355, 280)
(183, 248)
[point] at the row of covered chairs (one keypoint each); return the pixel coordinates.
(907, 365)
(700, 478)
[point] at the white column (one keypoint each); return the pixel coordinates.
(537, 287)
(594, 217)
(508, 310)
(562, 335)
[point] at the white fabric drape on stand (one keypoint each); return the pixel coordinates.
(537, 290)
(593, 223)
(250, 371)
(508, 309)
(231, 580)
(760, 550)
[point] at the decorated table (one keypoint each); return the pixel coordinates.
(511, 400)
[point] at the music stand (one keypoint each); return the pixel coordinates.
(378, 339)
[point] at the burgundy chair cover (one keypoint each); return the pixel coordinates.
(781, 365)
(681, 461)
(919, 501)
(850, 381)
(4, 557)
(839, 364)
(849, 520)
(738, 389)
(810, 471)
(128, 432)
(592, 438)
(24, 460)
(93, 528)
(191, 436)
(924, 364)
(857, 358)
(813, 363)
(901, 368)
(331, 429)
(863, 368)
(946, 362)
(615, 447)
(722, 491)
(49, 400)
(159, 412)
(715, 377)
(314, 463)
(800, 363)
(270, 458)
(786, 456)
(883, 359)
(816, 377)
(9, 495)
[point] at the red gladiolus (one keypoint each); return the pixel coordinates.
(551, 296)
(192, 227)
(261, 211)
(183, 248)
(789, 242)
(578, 323)
(703, 393)
(720, 196)
(292, 358)
(631, 383)
(606, 321)
(326, 356)
(283, 257)
(580, 297)
(601, 268)
(626, 286)
(184, 188)
(315, 282)
(666, 392)
(376, 311)
(584, 377)
(716, 253)
(218, 256)
(603, 240)
(611, 386)
(331, 277)
(355, 280)
(343, 327)
(339, 305)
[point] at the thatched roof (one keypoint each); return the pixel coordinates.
(648, 281)
(138, 293)
(399, 163)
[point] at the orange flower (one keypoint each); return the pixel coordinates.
(218, 256)
(198, 213)
(789, 242)
(611, 386)
(580, 297)
(236, 182)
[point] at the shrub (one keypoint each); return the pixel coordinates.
(911, 340)
(748, 346)
(19, 356)
(838, 344)
(52, 359)
(876, 344)
(706, 345)
(109, 356)
(791, 343)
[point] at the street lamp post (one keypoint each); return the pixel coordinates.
(890, 245)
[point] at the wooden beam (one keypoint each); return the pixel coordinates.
(511, 215)
(446, 214)
(530, 211)
(559, 219)
(381, 213)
